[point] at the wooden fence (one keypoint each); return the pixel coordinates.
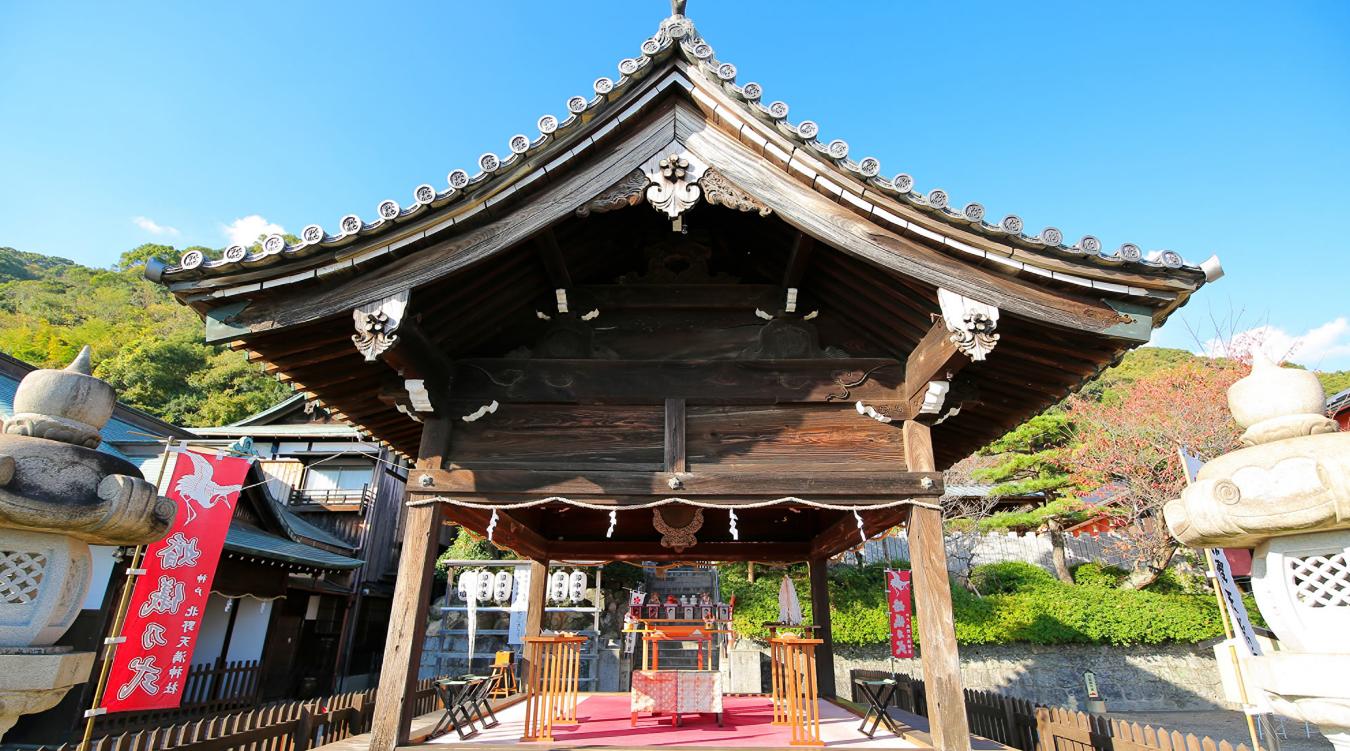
(1022, 725)
(208, 690)
(1066, 730)
(288, 726)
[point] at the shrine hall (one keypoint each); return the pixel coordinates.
(675, 323)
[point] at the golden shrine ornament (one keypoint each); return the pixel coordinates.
(680, 537)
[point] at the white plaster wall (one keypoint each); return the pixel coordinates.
(101, 577)
(250, 629)
(211, 634)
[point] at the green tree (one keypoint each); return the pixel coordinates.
(1035, 461)
(136, 258)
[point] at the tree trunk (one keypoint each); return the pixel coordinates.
(1057, 552)
(750, 572)
(1140, 578)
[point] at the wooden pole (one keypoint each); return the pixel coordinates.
(818, 569)
(407, 615)
(536, 602)
(933, 598)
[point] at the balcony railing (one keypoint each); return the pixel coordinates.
(333, 499)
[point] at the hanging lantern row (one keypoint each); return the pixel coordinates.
(484, 586)
(567, 587)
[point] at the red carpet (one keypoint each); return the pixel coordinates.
(605, 719)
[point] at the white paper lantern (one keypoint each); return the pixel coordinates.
(467, 581)
(486, 582)
(577, 585)
(502, 592)
(557, 586)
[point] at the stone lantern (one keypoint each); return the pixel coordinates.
(1286, 493)
(58, 494)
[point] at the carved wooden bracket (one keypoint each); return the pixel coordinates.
(719, 191)
(376, 324)
(627, 192)
(971, 324)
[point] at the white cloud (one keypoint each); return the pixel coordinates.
(246, 229)
(1325, 347)
(153, 227)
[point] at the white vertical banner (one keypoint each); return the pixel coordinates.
(520, 605)
(1244, 636)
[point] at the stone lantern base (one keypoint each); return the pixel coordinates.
(36, 679)
(1308, 687)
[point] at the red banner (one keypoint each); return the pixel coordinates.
(164, 619)
(897, 599)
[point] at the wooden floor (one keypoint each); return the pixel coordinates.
(838, 729)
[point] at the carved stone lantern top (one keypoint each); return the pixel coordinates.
(70, 406)
(1275, 403)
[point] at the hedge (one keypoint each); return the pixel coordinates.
(1025, 604)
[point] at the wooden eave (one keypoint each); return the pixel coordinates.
(467, 257)
(687, 61)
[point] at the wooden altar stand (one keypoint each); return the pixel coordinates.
(777, 666)
(551, 686)
(793, 664)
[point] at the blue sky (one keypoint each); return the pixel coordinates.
(1200, 127)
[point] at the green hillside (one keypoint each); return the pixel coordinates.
(145, 344)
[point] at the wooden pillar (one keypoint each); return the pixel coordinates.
(534, 614)
(820, 612)
(933, 597)
(408, 611)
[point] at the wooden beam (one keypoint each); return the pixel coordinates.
(802, 248)
(546, 244)
(407, 616)
(843, 534)
(934, 358)
(679, 297)
(622, 550)
(698, 381)
(818, 570)
(416, 356)
(933, 600)
(674, 444)
(866, 486)
(509, 532)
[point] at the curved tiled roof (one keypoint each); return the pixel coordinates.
(676, 36)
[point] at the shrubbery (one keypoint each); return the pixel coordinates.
(1020, 603)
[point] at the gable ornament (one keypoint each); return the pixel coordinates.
(673, 187)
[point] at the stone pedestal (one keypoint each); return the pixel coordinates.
(36, 679)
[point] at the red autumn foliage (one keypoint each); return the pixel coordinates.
(1128, 438)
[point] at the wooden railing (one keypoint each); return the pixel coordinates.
(291, 726)
(286, 726)
(208, 690)
(348, 500)
(1066, 730)
(1030, 727)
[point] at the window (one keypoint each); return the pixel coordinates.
(332, 476)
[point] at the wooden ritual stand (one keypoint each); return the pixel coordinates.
(777, 665)
(794, 669)
(551, 685)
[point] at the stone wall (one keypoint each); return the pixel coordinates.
(1145, 678)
